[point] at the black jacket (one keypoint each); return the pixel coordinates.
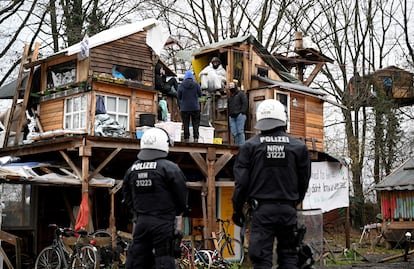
(271, 166)
(237, 103)
(155, 188)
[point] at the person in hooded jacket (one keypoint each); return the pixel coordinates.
(272, 172)
(213, 76)
(237, 107)
(161, 84)
(189, 93)
(154, 188)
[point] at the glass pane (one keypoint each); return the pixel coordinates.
(83, 102)
(16, 211)
(76, 104)
(68, 124)
(76, 121)
(110, 104)
(123, 105)
(68, 105)
(83, 120)
(123, 121)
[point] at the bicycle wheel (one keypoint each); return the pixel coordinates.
(86, 258)
(232, 250)
(49, 258)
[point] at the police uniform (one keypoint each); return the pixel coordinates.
(156, 192)
(272, 172)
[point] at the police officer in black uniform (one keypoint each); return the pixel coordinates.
(155, 190)
(272, 172)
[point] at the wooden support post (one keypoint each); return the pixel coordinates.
(211, 186)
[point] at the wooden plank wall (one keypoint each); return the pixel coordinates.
(314, 123)
(130, 51)
(51, 115)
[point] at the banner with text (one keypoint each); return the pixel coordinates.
(328, 187)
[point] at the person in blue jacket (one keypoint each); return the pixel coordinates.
(188, 94)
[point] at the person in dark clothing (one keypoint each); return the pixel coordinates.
(237, 106)
(272, 172)
(154, 188)
(161, 84)
(188, 93)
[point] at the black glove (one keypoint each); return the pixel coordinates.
(238, 218)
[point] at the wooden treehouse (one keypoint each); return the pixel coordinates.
(390, 83)
(72, 145)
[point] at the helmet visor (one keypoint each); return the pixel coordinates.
(151, 154)
(268, 124)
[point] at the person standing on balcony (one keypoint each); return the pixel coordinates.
(272, 172)
(188, 94)
(237, 107)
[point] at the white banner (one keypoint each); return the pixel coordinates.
(328, 187)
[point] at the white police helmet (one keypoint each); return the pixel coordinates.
(270, 114)
(154, 144)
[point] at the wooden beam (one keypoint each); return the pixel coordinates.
(200, 162)
(221, 162)
(71, 164)
(315, 71)
(211, 190)
(104, 163)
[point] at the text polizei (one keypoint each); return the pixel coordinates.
(144, 166)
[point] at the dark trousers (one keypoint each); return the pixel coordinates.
(194, 116)
(152, 244)
(270, 221)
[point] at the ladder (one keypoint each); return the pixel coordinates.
(14, 114)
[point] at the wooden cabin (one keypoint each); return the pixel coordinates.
(391, 83)
(397, 195)
(63, 96)
(262, 76)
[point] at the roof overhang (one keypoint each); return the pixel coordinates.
(294, 87)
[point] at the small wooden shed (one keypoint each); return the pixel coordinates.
(397, 202)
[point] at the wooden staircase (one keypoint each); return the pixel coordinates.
(22, 90)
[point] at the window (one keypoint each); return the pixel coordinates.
(118, 109)
(262, 72)
(61, 74)
(75, 112)
(125, 72)
(16, 207)
(284, 98)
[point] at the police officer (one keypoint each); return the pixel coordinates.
(272, 172)
(155, 189)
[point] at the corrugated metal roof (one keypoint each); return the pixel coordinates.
(400, 179)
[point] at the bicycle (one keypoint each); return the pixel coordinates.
(230, 249)
(194, 258)
(109, 254)
(59, 256)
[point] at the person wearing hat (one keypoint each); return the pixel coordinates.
(213, 76)
(272, 172)
(155, 190)
(237, 107)
(188, 94)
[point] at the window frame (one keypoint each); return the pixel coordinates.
(116, 114)
(72, 113)
(277, 94)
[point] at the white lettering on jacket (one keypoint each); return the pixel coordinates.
(144, 165)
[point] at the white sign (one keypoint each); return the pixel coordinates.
(328, 187)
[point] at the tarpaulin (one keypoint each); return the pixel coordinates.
(83, 214)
